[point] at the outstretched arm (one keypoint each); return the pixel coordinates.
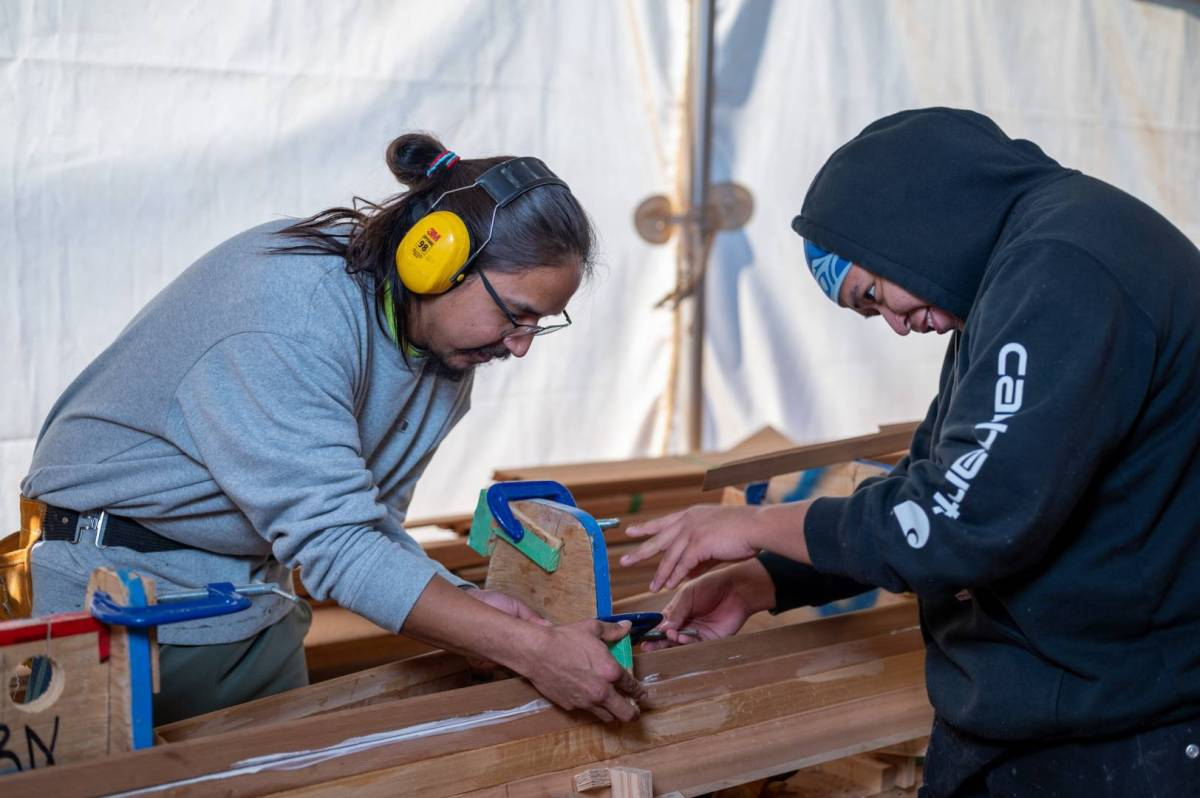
(698, 538)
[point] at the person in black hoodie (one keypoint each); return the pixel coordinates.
(1046, 513)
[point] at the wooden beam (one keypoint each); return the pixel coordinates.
(442, 670)
(889, 439)
(641, 475)
(706, 764)
(460, 740)
(565, 595)
(428, 673)
(340, 642)
(706, 758)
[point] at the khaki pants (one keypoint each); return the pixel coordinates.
(200, 679)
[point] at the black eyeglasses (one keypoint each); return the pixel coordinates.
(519, 330)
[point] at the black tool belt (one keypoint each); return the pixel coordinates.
(110, 530)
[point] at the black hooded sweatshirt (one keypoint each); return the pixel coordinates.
(1048, 513)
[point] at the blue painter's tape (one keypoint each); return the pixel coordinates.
(756, 492)
(805, 486)
(860, 602)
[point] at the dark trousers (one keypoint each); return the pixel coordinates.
(200, 679)
(1148, 764)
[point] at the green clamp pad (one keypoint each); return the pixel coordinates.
(622, 652)
(484, 534)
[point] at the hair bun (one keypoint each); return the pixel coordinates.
(410, 155)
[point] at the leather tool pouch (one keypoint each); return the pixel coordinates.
(16, 576)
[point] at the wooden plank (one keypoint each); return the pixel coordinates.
(736, 756)
(910, 748)
(693, 764)
(592, 779)
(67, 689)
(427, 673)
(617, 782)
(753, 789)
(631, 783)
(904, 775)
(399, 679)
(647, 504)
(753, 469)
(565, 595)
(766, 439)
(839, 479)
(586, 480)
(872, 775)
(713, 702)
(69, 721)
(701, 690)
(339, 642)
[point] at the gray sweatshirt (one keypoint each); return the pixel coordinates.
(255, 410)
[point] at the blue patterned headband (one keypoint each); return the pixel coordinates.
(829, 269)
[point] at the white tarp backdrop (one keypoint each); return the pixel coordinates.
(136, 135)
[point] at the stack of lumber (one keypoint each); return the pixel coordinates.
(716, 715)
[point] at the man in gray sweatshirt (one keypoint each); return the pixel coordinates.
(274, 406)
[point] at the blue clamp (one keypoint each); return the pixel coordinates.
(756, 492)
(639, 623)
(222, 599)
(500, 494)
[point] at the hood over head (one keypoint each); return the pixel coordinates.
(921, 197)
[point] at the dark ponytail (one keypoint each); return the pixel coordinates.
(543, 227)
(410, 156)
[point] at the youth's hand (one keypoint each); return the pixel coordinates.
(716, 605)
(693, 541)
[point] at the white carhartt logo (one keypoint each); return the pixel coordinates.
(913, 523)
(1010, 392)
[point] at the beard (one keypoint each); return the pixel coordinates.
(439, 363)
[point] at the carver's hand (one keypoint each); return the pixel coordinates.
(716, 605)
(694, 540)
(509, 605)
(572, 667)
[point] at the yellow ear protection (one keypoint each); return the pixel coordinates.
(436, 253)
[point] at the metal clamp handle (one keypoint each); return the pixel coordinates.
(222, 599)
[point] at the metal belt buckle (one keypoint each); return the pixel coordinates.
(95, 521)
